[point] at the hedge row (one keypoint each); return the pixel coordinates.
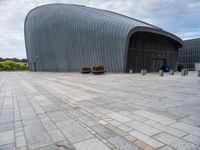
(10, 65)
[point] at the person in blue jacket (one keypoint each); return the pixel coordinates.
(165, 67)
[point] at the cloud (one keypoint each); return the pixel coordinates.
(176, 16)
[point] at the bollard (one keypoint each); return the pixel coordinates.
(171, 72)
(130, 71)
(161, 73)
(184, 72)
(198, 73)
(143, 72)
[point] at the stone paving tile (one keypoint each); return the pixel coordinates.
(125, 113)
(6, 127)
(56, 135)
(102, 122)
(167, 114)
(20, 129)
(50, 108)
(193, 139)
(110, 126)
(58, 116)
(91, 144)
(43, 117)
(146, 129)
(73, 131)
(155, 117)
(190, 121)
(34, 121)
(17, 124)
(187, 128)
(103, 131)
(36, 137)
(125, 128)
(122, 144)
(147, 139)
(40, 97)
(117, 107)
(7, 147)
(6, 137)
(28, 115)
(73, 112)
(165, 128)
(88, 121)
(64, 145)
(102, 110)
(166, 148)
(143, 145)
(120, 132)
(175, 142)
(115, 123)
(119, 117)
(137, 117)
(22, 148)
(49, 125)
(130, 138)
(6, 119)
(19, 133)
(20, 141)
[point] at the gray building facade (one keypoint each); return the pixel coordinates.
(65, 37)
(190, 53)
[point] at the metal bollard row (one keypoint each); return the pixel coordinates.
(184, 72)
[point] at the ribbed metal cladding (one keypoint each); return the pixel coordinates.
(65, 37)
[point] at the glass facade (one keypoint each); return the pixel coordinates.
(190, 53)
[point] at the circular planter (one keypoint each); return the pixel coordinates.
(98, 72)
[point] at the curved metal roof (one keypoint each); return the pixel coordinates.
(99, 15)
(94, 12)
(67, 27)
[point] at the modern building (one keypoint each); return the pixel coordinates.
(197, 66)
(189, 55)
(65, 37)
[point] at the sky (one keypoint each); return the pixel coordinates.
(180, 17)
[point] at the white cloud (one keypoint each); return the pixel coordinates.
(189, 33)
(176, 16)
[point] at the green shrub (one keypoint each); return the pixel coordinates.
(85, 68)
(180, 67)
(6, 67)
(1, 66)
(10, 65)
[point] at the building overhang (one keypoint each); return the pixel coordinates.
(171, 36)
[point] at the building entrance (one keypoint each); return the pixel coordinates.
(150, 51)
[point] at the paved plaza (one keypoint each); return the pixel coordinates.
(72, 111)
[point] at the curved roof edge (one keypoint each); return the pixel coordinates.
(108, 11)
(156, 31)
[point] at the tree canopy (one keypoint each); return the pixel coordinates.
(24, 60)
